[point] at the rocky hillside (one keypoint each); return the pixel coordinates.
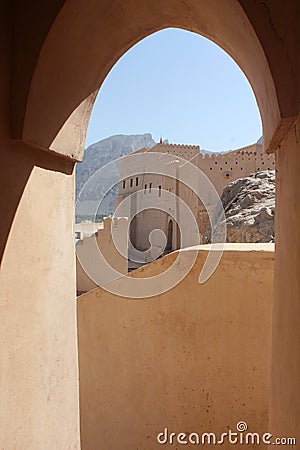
(101, 153)
(249, 205)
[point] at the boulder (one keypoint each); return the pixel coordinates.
(249, 205)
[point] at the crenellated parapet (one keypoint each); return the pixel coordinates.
(222, 168)
(176, 146)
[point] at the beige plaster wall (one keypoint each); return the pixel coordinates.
(113, 247)
(39, 407)
(196, 358)
(39, 378)
(285, 398)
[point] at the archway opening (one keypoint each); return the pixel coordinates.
(144, 184)
(179, 85)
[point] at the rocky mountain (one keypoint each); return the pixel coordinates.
(249, 205)
(101, 153)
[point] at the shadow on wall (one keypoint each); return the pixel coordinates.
(21, 160)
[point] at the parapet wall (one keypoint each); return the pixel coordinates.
(85, 252)
(184, 151)
(193, 359)
(188, 152)
(222, 168)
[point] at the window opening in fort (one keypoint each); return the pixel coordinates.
(170, 236)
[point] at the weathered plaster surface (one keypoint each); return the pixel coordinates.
(196, 358)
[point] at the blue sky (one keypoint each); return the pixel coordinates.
(181, 86)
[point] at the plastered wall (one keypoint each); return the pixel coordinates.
(114, 248)
(39, 373)
(39, 405)
(196, 358)
(285, 399)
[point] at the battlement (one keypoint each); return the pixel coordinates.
(251, 151)
(165, 148)
(220, 168)
(258, 148)
(175, 146)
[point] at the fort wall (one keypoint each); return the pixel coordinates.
(85, 251)
(174, 360)
(221, 169)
